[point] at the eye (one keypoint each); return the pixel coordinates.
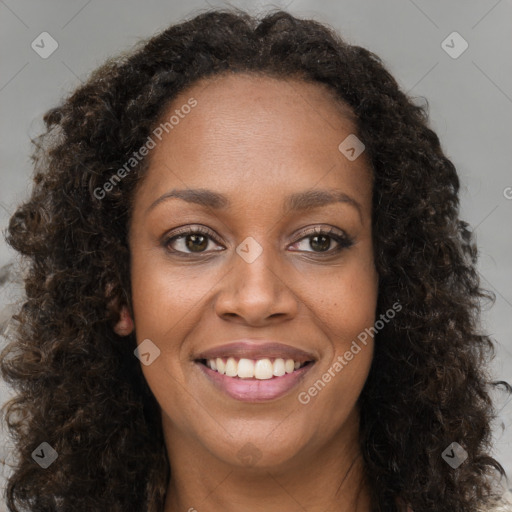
(194, 239)
(320, 240)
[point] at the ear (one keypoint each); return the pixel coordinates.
(124, 326)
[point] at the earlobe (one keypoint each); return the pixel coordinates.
(124, 326)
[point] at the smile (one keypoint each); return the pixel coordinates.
(254, 388)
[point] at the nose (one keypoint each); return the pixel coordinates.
(256, 292)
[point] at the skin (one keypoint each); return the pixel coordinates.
(256, 140)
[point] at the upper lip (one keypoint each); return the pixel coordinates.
(260, 349)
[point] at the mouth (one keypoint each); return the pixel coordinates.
(254, 370)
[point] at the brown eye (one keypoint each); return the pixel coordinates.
(195, 243)
(320, 241)
(189, 241)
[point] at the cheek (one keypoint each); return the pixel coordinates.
(346, 301)
(335, 392)
(163, 296)
(345, 314)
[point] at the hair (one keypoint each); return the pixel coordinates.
(79, 386)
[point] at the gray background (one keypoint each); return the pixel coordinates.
(470, 100)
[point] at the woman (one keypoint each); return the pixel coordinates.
(249, 288)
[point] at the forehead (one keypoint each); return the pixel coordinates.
(256, 135)
(253, 108)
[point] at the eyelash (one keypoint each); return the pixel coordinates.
(344, 241)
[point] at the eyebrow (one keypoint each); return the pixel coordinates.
(299, 201)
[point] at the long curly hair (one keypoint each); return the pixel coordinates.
(79, 386)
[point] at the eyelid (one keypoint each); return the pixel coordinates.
(193, 228)
(318, 230)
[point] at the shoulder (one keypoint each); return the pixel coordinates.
(502, 503)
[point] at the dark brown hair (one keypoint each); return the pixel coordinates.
(79, 386)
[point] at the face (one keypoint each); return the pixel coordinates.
(256, 264)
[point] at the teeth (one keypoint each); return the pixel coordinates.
(289, 365)
(219, 363)
(245, 368)
(262, 369)
(231, 367)
(279, 369)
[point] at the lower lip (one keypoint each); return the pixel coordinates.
(255, 390)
